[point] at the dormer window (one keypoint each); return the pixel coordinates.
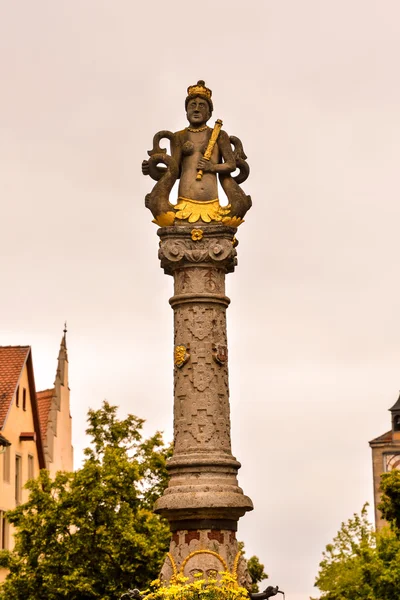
(396, 423)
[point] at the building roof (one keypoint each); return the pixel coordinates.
(382, 439)
(4, 441)
(44, 399)
(396, 406)
(12, 360)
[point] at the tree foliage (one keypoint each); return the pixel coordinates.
(361, 564)
(255, 569)
(256, 572)
(390, 503)
(92, 534)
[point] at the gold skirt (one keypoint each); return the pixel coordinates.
(206, 210)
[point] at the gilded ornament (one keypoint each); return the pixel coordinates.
(197, 234)
(232, 221)
(165, 219)
(199, 89)
(181, 356)
(173, 564)
(196, 552)
(236, 564)
(210, 146)
(199, 130)
(194, 210)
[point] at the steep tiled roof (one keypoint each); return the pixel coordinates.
(12, 359)
(44, 403)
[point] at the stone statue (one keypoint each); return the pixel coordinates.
(198, 154)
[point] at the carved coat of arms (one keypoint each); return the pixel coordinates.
(181, 356)
(220, 353)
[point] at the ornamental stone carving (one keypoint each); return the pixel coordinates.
(203, 501)
(203, 488)
(175, 251)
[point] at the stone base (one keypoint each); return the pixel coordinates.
(207, 552)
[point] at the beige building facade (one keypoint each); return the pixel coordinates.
(385, 458)
(35, 429)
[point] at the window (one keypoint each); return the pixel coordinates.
(7, 464)
(396, 423)
(31, 467)
(24, 399)
(18, 479)
(17, 397)
(3, 531)
(391, 461)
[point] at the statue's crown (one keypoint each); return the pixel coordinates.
(199, 89)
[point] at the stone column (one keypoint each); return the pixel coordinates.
(203, 501)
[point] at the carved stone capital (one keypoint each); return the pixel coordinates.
(190, 245)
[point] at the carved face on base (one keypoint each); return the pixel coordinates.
(198, 111)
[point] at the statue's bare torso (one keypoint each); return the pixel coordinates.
(192, 151)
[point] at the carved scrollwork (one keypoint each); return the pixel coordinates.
(173, 252)
(155, 171)
(240, 158)
(164, 134)
(159, 155)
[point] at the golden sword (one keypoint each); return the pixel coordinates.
(211, 144)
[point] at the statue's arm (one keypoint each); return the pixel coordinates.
(229, 164)
(225, 148)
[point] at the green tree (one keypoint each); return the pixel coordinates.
(360, 564)
(256, 571)
(92, 534)
(390, 503)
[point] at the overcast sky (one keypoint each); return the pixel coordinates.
(312, 88)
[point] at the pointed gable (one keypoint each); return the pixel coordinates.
(55, 417)
(12, 361)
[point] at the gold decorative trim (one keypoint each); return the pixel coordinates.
(194, 210)
(193, 130)
(199, 89)
(173, 564)
(236, 564)
(165, 219)
(197, 201)
(232, 221)
(197, 234)
(189, 556)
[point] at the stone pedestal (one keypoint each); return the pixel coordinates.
(203, 501)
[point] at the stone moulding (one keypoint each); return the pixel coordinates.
(217, 245)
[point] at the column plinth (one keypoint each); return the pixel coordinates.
(203, 501)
